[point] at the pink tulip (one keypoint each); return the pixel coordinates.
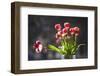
(72, 31)
(38, 46)
(77, 30)
(58, 27)
(67, 25)
(64, 30)
(59, 34)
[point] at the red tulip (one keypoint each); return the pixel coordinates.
(64, 30)
(77, 30)
(72, 31)
(59, 34)
(58, 27)
(67, 25)
(38, 46)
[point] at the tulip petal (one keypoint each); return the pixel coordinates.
(37, 50)
(40, 47)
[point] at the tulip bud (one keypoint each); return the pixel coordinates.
(64, 30)
(67, 25)
(59, 34)
(72, 31)
(58, 27)
(77, 30)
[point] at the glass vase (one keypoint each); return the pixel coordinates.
(68, 56)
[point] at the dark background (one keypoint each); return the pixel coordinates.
(42, 28)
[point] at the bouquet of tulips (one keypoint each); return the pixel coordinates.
(66, 40)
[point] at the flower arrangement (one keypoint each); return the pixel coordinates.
(66, 40)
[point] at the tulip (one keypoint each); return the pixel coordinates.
(72, 31)
(77, 30)
(59, 34)
(64, 30)
(67, 25)
(58, 27)
(38, 46)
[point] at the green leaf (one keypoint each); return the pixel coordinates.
(54, 48)
(76, 48)
(79, 46)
